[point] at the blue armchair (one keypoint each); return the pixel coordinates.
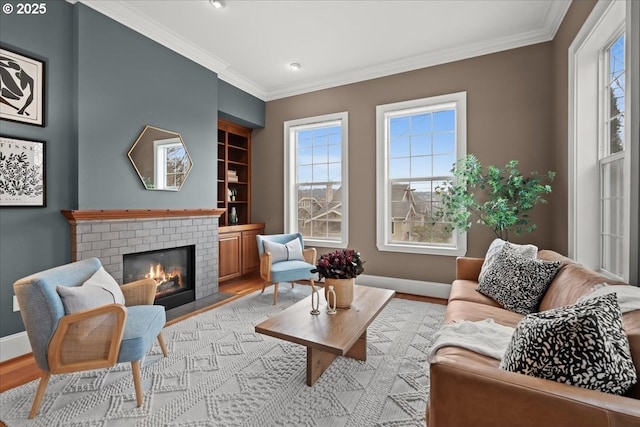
(284, 259)
(92, 338)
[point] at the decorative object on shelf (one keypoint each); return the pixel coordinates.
(161, 159)
(232, 176)
(498, 198)
(339, 269)
(22, 173)
(22, 98)
(234, 193)
(332, 301)
(315, 300)
(233, 216)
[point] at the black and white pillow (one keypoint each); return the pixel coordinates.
(582, 345)
(517, 282)
(528, 251)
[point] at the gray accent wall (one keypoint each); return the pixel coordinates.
(105, 82)
(120, 90)
(33, 239)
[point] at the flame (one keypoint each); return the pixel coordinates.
(157, 273)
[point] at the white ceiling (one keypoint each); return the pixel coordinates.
(250, 43)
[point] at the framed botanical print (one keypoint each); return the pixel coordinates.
(22, 172)
(21, 88)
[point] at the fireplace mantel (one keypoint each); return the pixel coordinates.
(107, 214)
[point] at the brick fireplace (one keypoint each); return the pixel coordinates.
(109, 235)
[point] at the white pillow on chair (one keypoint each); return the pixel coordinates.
(289, 251)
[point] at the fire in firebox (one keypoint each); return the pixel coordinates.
(165, 281)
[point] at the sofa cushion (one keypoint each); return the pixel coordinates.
(516, 282)
(474, 312)
(582, 345)
(528, 251)
(466, 290)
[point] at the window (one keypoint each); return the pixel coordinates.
(418, 143)
(171, 161)
(600, 162)
(316, 187)
(611, 162)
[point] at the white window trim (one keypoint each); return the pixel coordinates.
(291, 208)
(383, 208)
(584, 134)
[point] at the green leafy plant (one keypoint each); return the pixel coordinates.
(499, 198)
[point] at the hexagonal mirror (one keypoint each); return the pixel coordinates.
(161, 159)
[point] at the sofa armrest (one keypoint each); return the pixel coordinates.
(468, 268)
(464, 393)
(265, 266)
(140, 292)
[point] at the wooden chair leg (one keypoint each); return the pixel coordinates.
(264, 285)
(162, 344)
(275, 293)
(44, 381)
(292, 285)
(137, 381)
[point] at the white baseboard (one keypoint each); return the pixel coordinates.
(14, 345)
(406, 286)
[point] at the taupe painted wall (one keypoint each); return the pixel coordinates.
(575, 17)
(510, 116)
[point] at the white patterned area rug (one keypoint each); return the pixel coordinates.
(219, 372)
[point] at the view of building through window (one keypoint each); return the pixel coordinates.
(422, 151)
(319, 181)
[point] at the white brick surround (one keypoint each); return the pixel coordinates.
(108, 239)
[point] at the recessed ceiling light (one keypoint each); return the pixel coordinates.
(218, 4)
(295, 66)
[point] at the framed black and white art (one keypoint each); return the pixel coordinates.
(22, 172)
(21, 88)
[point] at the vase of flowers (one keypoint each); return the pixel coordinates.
(339, 269)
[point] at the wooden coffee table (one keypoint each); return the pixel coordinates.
(328, 336)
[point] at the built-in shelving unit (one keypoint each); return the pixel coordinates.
(237, 246)
(234, 172)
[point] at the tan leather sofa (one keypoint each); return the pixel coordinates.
(468, 389)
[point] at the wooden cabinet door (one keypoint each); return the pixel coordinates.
(229, 247)
(250, 259)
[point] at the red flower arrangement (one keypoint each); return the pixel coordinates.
(341, 264)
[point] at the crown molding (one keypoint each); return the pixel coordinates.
(126, 15)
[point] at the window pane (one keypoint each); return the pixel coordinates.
(444, 121)
(399, 147)
(305, 156)
(399, 126)
(320, 173)
(399, 168)
(421, 166)
(420, 145)
(444, 143)
(320, 154)
(335, 153)
(421, 123)
(442, 164)
(305, 174)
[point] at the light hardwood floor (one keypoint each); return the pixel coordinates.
(23, 369)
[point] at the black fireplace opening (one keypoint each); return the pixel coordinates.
(172, 269)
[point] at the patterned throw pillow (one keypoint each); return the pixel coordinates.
(528, 251)
(516, 282)
(582, 345)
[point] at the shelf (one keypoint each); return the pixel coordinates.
(234, 154)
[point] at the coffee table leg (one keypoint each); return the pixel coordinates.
(359, 349)
(317, 362)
